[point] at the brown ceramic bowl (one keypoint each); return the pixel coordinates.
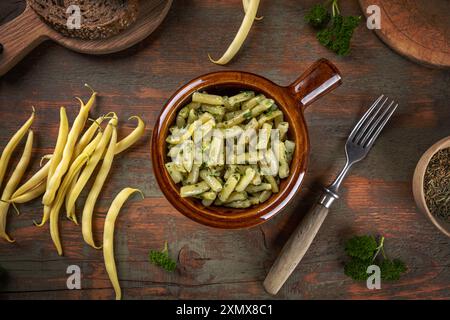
(321, 78)
(418, 189)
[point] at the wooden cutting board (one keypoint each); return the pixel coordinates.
(21, 35)
(417, 29)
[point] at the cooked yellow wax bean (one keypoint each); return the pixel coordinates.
(254, 200)
(241, 97)
(194, 189)
(214, 184)
(258, 188)
(273, 183)
(207, 98)
(88, 210)
(12, 184)
(252, 102)
(174, 173)
(262, 107)
(265, 195)
(63, 166)
(245, 180)
(208, 195)
(237, 196)
(207, 203)
(11, 146)
(283, 169)
(238, 204)
(108, 237)
(268, 117)
(229, 186)
(192, 176)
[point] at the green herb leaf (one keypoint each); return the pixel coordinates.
(392, 269)
(318, 16)
(162, 259)
(337, 36)
(362, 247)
(357, 269)
(364, 251)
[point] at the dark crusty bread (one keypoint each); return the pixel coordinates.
(100, 19)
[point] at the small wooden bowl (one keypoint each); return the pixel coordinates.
(319, 79)
(418, 189)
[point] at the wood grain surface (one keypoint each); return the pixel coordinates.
(376, 197)
(418, 30)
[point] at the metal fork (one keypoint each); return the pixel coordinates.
(358, 145)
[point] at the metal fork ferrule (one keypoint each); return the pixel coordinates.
(327, 198)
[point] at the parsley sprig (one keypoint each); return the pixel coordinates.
(363, 252)
(337, 34)
(162, 259)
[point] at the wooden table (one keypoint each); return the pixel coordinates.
(220, 264)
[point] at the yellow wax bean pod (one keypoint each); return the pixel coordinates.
(133, 137)
(37, 179)
(87, 136)
(56, 157)
(12, 184)
(245, 3)
(63, 166)
(75, 167)
(89, 169)
(30, 194)
(108, 237)
(88, 210)
(11, 146)
(241, 35)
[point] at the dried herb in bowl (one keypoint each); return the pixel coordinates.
(437, 184)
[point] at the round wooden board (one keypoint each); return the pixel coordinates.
(419, 30)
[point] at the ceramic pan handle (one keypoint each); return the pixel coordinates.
(321, 78)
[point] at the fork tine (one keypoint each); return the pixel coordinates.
(363, 119)
(374, 125)
(373, 117)
(375, 135)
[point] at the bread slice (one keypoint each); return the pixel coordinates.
(100, 19)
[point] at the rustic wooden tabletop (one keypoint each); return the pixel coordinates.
(221, 264)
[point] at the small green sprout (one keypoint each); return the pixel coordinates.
(162, 259)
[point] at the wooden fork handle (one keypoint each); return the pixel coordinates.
(18, 37)
(295, 248)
